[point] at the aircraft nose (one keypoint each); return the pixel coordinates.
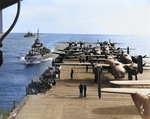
(129, 61)
(121, 75)
(107, 52)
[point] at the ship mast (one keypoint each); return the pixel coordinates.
(38, 34)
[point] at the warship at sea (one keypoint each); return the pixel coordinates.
(37, 54)
(29, 34)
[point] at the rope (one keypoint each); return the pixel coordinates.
(13, 24)
(58, 96)
(65, 84)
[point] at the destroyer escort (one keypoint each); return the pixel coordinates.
(37, 54)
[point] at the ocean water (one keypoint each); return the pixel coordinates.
(15, 75)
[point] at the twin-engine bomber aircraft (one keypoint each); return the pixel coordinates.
(117, 68)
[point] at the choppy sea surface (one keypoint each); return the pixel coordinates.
(15, 75)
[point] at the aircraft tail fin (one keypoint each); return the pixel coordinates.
(142, 104)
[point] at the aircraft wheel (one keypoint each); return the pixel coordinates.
(136, 77)
(129, 76)
(54, 82)
(95, 80)
(49, 86)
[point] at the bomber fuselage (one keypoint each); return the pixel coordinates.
(117, 68)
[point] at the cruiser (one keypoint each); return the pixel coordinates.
(37, 54)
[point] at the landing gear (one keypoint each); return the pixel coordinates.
(129, 76)
(95, 80)
(54, 82)
(135, 77)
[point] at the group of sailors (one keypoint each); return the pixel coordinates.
(82, 86)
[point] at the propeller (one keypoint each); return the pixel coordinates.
(134, 71)
(135, 58)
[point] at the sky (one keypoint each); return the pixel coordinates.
(119, 17)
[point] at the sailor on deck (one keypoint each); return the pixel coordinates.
(71, 75)
(81, 90)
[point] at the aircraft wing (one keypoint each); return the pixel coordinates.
(61, 50)
(74, 64)
(77, 59)
(134, 65)
(123, 90)
(130, 65)
(83, 64)
(141, 98)
(102, 65)
(100, 56)
(72, 51)
(59, 53)
(137, 82)
(75, 54)
(70, 54)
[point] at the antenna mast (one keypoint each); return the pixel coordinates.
(38, 34)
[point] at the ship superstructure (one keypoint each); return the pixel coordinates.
(37, 54)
